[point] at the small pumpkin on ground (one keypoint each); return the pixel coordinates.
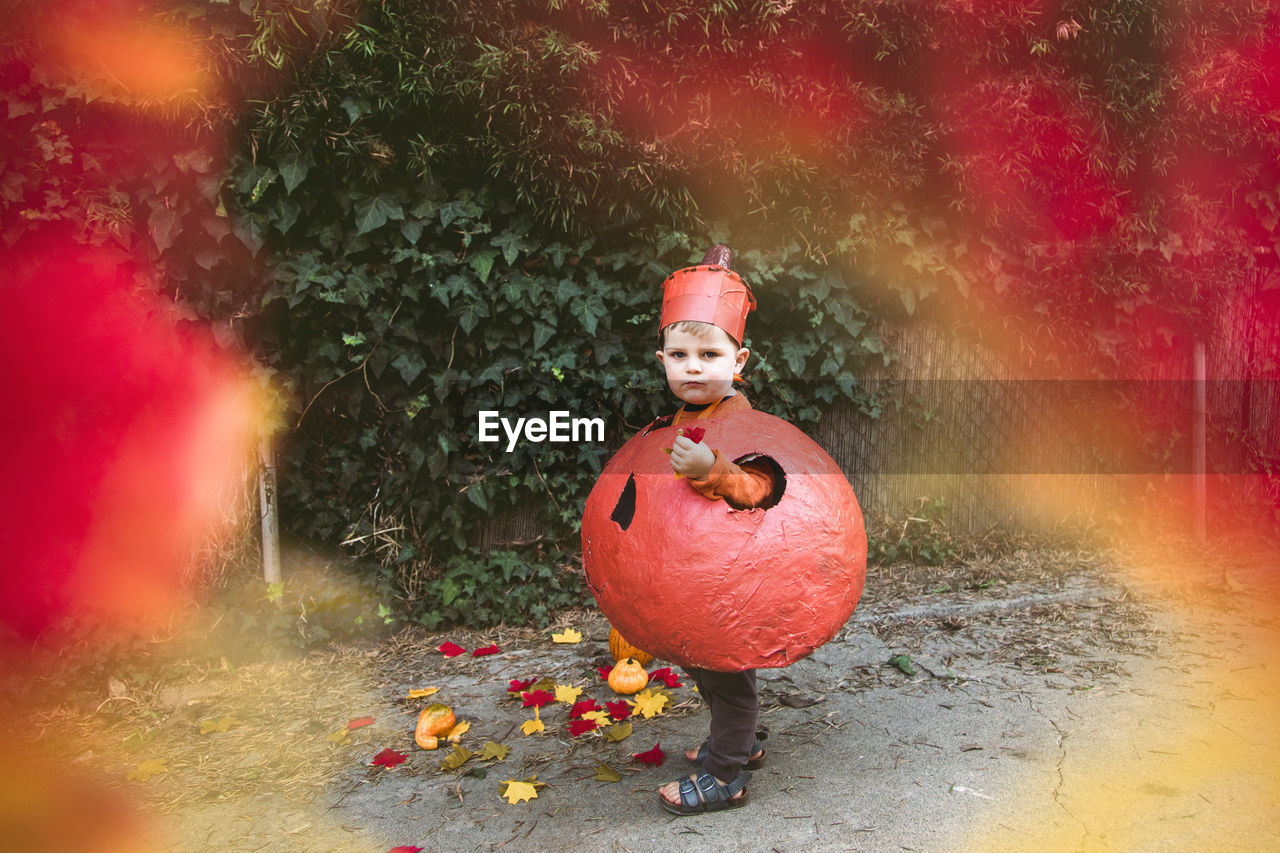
(436, 719)
(621, 649)
(628, 676)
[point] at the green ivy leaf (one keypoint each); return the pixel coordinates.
(294, 168)
(374, 212)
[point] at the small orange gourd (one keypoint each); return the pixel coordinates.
(621, 649)
(628, 677)
(435, 720)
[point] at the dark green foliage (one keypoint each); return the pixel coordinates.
(426, 209)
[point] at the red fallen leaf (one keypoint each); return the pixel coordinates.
(604, 672)
(666, 676)
(619, 710)
(405, 849)
(653, 756)
(487, 650)
(585, 706)
(389, 758)
(518, 686)
(359, 721)
(577, 727)
(694, 433)
(537, 698)
(450, 650)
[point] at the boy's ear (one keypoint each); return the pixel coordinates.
(740, 359)
(660, 355)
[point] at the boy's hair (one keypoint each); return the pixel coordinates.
(694, 327)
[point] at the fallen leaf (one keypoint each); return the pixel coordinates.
(568, 635)
(460, 756)
(423, 692)
(666, 676)
(517, 686)
(546, 683)
(455, 734)
(534, 725)
(487, 650)
(207, 726)
(567, 694)
(493, 751)
(619, 710)
(537, 698)
(519, 792)
(649, 704)
(605, 773)
(359, 722)
(341, 737)
(581, 727)
(903, 663)
(450, 650)
(389, 758)
(405, 849)
(601, 718)
(604, 672)
(618, 732)
(146, 769)
(653, 756)
(583, 707)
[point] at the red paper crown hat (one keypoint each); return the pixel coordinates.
(708, 293)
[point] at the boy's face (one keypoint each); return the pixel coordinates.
(700, 367)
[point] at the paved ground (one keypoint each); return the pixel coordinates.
(1079, 711)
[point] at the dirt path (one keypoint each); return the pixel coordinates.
(1074, 708)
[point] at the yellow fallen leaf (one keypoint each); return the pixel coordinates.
(648, 704)
(455, 734)
(341, 737)
(207, 726)
(567, 694)
(146, 769)
(602, 718)
(617, 732)
(422, 692)
(605, 773)
(460, 756)
(494, 751)
(519, 792)
(568, 635)
(534, 725)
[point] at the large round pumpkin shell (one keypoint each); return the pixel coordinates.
(697, 582)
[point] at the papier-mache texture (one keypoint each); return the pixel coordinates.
(699, 583)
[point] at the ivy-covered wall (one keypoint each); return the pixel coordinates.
(408, 212)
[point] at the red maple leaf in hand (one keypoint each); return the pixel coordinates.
(450, 650)
(389, 758)
(653, 756)
(694, 433)
(537, 699)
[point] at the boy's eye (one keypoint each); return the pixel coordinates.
(710, 354)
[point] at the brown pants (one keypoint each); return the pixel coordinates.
(735, 709)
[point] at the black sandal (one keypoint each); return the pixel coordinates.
(752, 763)
(703, 793)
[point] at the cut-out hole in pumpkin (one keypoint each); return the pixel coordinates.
(779, 476)
(625, 510)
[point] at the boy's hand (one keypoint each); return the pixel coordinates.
(692, 460)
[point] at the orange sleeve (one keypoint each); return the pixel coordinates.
(742, 486)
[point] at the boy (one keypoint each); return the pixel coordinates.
(703, 319)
